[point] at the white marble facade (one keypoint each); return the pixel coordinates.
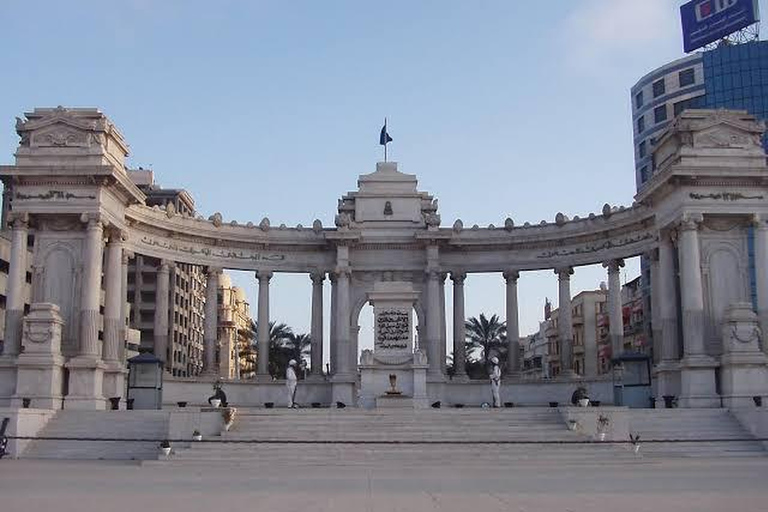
(697, 217)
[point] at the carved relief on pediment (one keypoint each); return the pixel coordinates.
(724, 136)
(60, 136)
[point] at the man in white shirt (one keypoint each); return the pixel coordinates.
(290, 381)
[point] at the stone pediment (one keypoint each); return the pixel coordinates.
(726, 135)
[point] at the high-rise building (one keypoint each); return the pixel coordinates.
(731, 76)
(186, 299)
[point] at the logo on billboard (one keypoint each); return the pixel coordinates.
(709, 8)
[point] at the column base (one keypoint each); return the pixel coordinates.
(39, 379)
(667, 374)
(697, 382)
(343, 392)
(743, 376)
(114, 381)
(8, 370)
(86, 382)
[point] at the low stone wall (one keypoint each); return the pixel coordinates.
(616, 426)
(244, 393)
(754, 420)
(24, 423)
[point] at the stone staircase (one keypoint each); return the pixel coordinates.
(100, 425)
(397, 437)
(693, 427)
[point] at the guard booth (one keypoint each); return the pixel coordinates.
(145, 382)
(632, 380)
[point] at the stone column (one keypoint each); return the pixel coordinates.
(615, 319)
(316, 334)
(114, 321)
(655, 313)
(15, 291)
(91, 288)
(459, 325)
(343, 366)
(433, 324)
(697, 377)
(211, 321)
(263, 323)
(86, 370)
(114, 297)
(665, 293)
(513, 326)
(334, 352)
(443, 335)
(162, 291)
(125, 305)
(565, 321)
(761, 275)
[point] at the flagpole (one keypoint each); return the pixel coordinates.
(385, 139)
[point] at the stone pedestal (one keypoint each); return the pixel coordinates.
(667, 376)
(7, 379)
(114, 381)
(86, 381)
(39, 373)
(697, 382)
(743, 371)
(410, 379)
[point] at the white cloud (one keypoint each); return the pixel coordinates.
(600, 30)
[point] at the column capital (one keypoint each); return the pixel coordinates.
(652, 254)
(264, 275)
(511, 275)
(116, 235)
(691, 222)
(127, 255)
(332, 277)
(213, 271)
(564, 273)
(93, 220)
(317, 276)
(432, 274)
(19, 220)
(342, 272)
(165, 266)
(613, 265)
(759, 221)
(458, 277)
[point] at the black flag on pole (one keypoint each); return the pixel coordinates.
(384, 137)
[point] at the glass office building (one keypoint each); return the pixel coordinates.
(732, 77)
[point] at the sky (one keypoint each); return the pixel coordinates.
(273, 108)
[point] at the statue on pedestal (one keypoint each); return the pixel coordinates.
(291, 380)
(495, 376)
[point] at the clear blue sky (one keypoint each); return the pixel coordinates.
(273, 108)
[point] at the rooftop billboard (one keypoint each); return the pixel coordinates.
(705, 21)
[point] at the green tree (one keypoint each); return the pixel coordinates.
(486, 337)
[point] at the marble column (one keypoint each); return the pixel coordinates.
(615, 318)
(15, 290)
(459, 325)
(263, 323)
(91, 289)
(664, 292)
(333, 349)
(86, 370)
(433, 324)
(343, 366)
(162, 292)
(443, 336)
(697, 377)
(114, 323)
(655, 313)
(316, 334)
(211, 322)
(761, 275)
(125, 306)
(513, 325)
(565, 321)
(114, 298)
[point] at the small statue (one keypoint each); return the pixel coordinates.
(495, 376)
(291, 380)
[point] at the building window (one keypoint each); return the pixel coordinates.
(686, 77)
(641, 149)
(658, 88)
(639, 99)
(640, 124)
(644, 174)
(660, 113)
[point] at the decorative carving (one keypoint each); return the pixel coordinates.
(432, 219)
(60, 136)
(215, 253)
(52, 194)
(264, 275)
(560, 219)
(509, 224)
(170, 210)
(216, 219)
(511, 275)
(458, 226)
(366, 357)
(388, 208)
(607, 211)
(613, 265)
(317, 226)
(458, 277)
(343, 220)
(601, 246)
(564, 273)
(725, 196)
(393, 329)
(419, 357)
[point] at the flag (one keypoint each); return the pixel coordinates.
(384, 138)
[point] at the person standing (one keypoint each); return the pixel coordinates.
(291, 380)
(495, 376)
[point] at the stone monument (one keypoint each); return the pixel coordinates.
(742, 372)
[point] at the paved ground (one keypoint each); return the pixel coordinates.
(737, 485)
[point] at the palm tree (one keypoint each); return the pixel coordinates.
(486, 336)
(279, 333)
(299, 346)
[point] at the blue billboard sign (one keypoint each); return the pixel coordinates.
(705, 21)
